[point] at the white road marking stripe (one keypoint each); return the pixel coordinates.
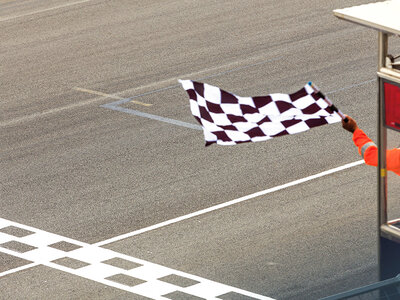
(109, 96)
(88, 262)
(153, 117)
(15, 270)
(229, 203)
(352, 86)
(43, 10)
(48, 112)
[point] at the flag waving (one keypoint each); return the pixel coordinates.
(228, 119)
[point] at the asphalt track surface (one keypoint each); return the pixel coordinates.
(98, 150)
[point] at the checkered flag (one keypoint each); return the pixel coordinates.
(228, 119)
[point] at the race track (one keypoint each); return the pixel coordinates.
(107, 190)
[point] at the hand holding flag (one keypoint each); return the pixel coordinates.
(350, 125)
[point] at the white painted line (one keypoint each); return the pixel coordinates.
(351, 86)
(43, 10)
(152, 117)
(229, 203)
(48, 112)
(24, 267)
(92, 260)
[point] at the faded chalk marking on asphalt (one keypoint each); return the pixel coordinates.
(104, 266)
(43, 10)
(109, 96)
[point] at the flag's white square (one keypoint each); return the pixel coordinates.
(220, 119)
(271, 128)
(297, 128)
(270, 109)
(237, 135)
(304, 102)
(232, 109)
(212, 93)
(246, 101)
(186, 84)
(201, 101)
(210, 126)
(194, 107)
(245, 126)
(280, 97)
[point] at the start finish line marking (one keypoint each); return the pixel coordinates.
(108, 267)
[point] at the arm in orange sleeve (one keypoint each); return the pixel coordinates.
(369, 151)
(393, 160)
(366, 148)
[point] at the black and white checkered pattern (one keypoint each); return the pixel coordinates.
(228, 119)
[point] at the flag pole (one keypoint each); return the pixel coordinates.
(328, 101)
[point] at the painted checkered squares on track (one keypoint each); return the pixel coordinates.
(109, 267)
